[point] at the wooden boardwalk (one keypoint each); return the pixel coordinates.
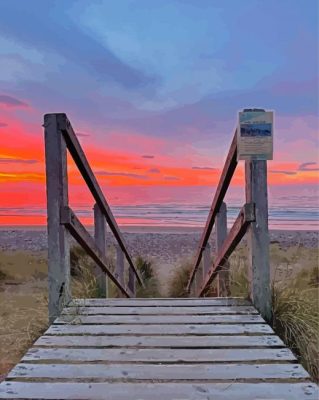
(207, 348)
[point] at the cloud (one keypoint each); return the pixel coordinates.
(62, 35)
(125, 174)
(171, 178)
(154, 171)
(307, 166)
(3, 124)
(283, 172)
(5, 160)
(147, 156)
(11, 102)
(205, 168)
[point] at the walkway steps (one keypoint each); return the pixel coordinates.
(159, 349)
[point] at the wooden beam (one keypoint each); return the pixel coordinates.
(224, 181)
(221, 234)
(78, 231)
(82, 163)
(238, 230)
(100, 240)
(258, 238)
(119, 269)
(57, 197)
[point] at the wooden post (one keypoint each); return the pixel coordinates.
(258, 237)
(206, 260)
(57, 197)
(132, 281)
(100, 240)
(221, 234)
(119, 270)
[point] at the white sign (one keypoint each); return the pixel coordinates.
(255, 135)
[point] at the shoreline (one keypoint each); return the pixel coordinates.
(146, 229)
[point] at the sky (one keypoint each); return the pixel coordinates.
(153, 89)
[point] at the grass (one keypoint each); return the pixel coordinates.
(178, 283)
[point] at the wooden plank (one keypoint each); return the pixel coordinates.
(235, 235)
(158, 391)
(160, 341)
(160, 319)
(83, 165)
(162, 302)
(157, 355)
(224, 181)
(258, 237)
(178, 330)
(57, 197)
(183, 372)
(100, 241)
(221, 235)
(78, 231)
(159, 310)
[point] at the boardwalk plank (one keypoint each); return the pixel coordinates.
(157, 355)
(159, 372)
(159, 341)
(163, 302)
(159, 391)
(160, 310)
(159, 319)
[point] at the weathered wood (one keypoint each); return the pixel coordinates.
(177, 330)
(168, 372)
(258, 237)
(238, 230)
(190, 341)
(78, 231)
(158, 391)
(222, 310)
(158, 355)
(131, 284)
(57, 197)
(119, 269)
(221, 235)
(224, 181)
(88, 175)
(160, 319)
(100, 240)
(161, 302)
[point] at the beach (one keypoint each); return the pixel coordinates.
(166, 247)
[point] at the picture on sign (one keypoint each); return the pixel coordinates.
(255, 135)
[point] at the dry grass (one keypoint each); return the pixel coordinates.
(178, 283)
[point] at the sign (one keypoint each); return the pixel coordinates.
(255, 135)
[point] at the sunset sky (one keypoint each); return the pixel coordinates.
(153, 89)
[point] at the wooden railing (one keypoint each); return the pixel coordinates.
(253, 219)
(62, 221)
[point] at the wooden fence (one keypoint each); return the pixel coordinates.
(253, 220)
(62, 221)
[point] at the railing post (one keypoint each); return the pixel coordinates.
(100, 240)
(119, 270)
(206, 260)
(258, 237)
(132, 282)
(57, 197)
(221, 234)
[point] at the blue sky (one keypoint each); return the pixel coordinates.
(174, 72)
